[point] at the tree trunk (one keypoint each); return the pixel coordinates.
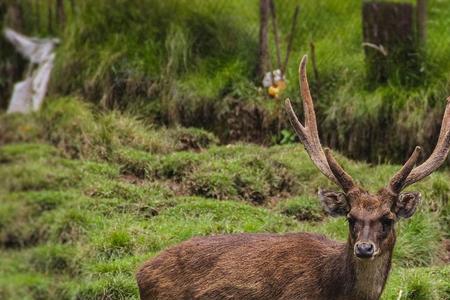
(275, 33)
(14, 17)
(49, 17)
(60, 13)
(264, 10)
(421, 9)
(72, 7)
(390, 43)
(37, 16)
(291, 39)
(12, 64)
(314, 65)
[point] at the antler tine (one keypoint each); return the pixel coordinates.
(309, 135)
(315, 153)
(397, 182)
(439, 153)
(345, 180)
(308, 105)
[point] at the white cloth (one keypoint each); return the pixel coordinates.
(277, 76)
(29, 94)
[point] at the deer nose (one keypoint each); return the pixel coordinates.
(364, 249)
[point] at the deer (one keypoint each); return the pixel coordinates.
(301, 265)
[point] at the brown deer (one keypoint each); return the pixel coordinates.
(300, 265)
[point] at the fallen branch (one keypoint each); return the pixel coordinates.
(379, 48)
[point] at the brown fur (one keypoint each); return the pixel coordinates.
(274, 266)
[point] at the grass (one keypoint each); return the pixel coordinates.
(80, 132)
(78, 226)
(197, 69)
(419, 283)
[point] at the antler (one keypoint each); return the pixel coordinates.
(408, 174)
(309, 135)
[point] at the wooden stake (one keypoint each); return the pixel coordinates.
(314, 65)
(421, 10)
(275, 32)
(60, 13)
(49, 17)
(291, 38)
(264, 8)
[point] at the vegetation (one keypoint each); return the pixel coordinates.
(87, 196)
(114, 168)
(198, 70)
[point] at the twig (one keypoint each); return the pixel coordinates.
(264, 12)
(314, 65)
(379, 48)
(421, 10)
(400, 295)
(291, 38)
(275, 32)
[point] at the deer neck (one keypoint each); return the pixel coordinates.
(369, 276)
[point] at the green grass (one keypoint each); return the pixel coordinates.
(301, 208)
(78, 131)
(419, 283)
(78, 226)
(192, 63)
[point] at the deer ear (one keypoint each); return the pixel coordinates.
(407, 203)
(334, 203)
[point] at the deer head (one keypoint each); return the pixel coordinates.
(371, 217)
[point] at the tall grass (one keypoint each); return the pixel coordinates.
(193, 63)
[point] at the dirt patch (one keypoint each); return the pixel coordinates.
(445, 254)
(132, 178)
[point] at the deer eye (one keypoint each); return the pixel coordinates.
(351, 221)
(387, 223)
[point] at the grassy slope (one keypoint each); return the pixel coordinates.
(88, 198)
(197, 67)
